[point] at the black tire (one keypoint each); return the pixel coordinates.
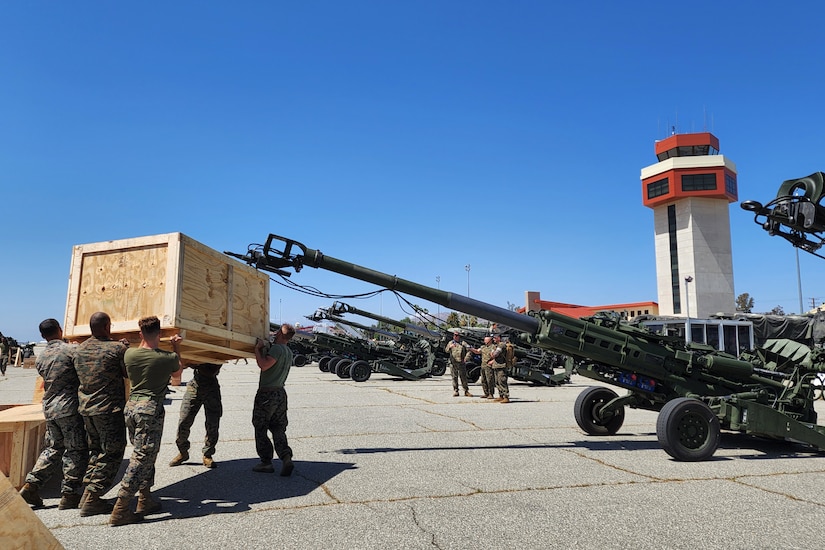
(688, 430)
(299, 360)
(360, 371)
(439, 368)
(323, 363)
(587, 407)
(342, 368)
(333, 364)
(473, 372)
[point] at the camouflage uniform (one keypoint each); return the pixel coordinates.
(150, 371)
(458, 354)
(488, 380)
(269, 412)
(100, 368)
(202, 390)
(65, 435)
(4, 354)
(500, 370)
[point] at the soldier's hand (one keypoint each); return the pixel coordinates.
(176, 340)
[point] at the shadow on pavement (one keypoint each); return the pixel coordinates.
(233, 487)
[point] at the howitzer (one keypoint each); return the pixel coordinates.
(414, 362)
(696, 389)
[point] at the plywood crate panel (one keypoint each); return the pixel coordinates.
(22, 437)
(219, 305)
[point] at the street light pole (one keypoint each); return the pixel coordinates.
(688, 280)
(438, 286)
(467, 267)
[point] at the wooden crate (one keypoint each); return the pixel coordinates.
(19, 525)
(22, 437)
(219, 305)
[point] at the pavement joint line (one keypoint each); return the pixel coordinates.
(613, 466)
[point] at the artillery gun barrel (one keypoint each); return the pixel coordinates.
(273, 259)
(340, 307)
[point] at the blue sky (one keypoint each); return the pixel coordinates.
(411, 137)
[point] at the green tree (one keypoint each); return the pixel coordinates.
(744, 303)
(453, 319)
(778, 310)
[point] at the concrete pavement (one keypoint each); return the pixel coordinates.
(402, 464)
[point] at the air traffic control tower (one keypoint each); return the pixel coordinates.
(690, 190)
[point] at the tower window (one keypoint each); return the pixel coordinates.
(674, 260)
(730, 185)
(698, 182)
(658, 188)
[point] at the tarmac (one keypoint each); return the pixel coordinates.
(390, 463)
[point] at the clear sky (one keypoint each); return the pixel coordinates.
(414, 138)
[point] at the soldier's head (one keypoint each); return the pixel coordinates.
(497, 338)
(488, 339)
(50, 330)
(284, 334)
(456, 336)
(149, 327)
(100, 324)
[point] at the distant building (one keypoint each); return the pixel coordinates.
(533, 302)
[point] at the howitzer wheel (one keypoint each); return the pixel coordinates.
(299, 360)
(342, 368)
(688, 429)
(473, 372)
(587, 411)
(333, 364)
(323, 363)
(360, 371)
(439, 368)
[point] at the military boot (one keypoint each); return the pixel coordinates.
(121, 514)
(182, 457)
(287, 466)
(146, 504)
(69, 501)
(83, 498)
(94, 505)
(31, 494)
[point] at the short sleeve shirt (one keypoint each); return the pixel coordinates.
(275, 376)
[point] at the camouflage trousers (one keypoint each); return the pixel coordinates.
(144, 420)
(459, 373)
(209, 397)
(269, 415)
(488, 380)
(501, 382)
(106, 434)
(66, 444)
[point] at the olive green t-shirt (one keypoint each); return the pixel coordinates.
(149, 371)
(275, 376)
